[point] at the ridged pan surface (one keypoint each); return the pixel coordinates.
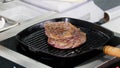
(35, 40)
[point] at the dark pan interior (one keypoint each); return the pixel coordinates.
(35, 40)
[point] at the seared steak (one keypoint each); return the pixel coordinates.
(59, 30)
(64, 35)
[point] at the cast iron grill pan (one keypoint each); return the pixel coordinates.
(35, 40)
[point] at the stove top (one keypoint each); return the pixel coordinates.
(13, 44)
(4, 63)
(113, 63)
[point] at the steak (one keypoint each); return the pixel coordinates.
(64, 35)
(59, 30)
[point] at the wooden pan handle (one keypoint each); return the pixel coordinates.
(112, 51)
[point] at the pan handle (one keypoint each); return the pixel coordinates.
(100, 22)
(112, 51)
(105, 19)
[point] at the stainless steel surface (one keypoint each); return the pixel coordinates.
(13, 31)
(8, 24)
(20, 59)
(5, 1)
(29, 63)
(2, 22)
